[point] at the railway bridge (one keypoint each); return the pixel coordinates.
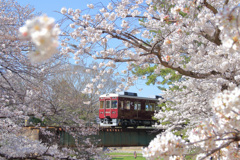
(117, 137)
(109, 137)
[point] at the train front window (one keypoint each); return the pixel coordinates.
(114, 104)
(101, 105)
(108, 104)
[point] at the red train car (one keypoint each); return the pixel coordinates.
(126, 109)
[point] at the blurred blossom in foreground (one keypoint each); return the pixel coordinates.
(43, 32)
(86, 102)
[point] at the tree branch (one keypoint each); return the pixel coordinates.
(127, 39)
(7, 81)
(215, 38)
(169, 20)
(217, 149)
(184, 72)
(210, 7)
(226, 2)
(117, 60)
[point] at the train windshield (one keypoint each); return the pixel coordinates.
(108, 104)
(114, 104)
(101, 105)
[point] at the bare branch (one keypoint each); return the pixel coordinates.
(7, 81)
(127, 39)
(117, 60)
(169, 20)
(142, 17)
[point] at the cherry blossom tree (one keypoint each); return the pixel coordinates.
(67, 91)
(75, 111)
(25, 87)
(22, 86)
(129, 33)
(137, 33)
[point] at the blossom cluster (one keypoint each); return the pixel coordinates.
(174, 29)
(43, 32)
(222, 129)
(165, 146)
(26, 91)
(219, 133)
(229, 24)
(197, 39)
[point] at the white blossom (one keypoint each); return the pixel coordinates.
(43, 33)
(64, 10)
(109, 6)
(91, 6)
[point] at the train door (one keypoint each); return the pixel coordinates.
(114, 108)
(141, 110)
(102, 109)
(137, 108)
(124, 108)
(107, 110)
(121, 108)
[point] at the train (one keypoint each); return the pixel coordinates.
(126, 110)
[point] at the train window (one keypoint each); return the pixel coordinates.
(121, 104)
(147, 106)
(152, 106)
(137, 106)
(101, 104)
(114, 104)
(127, 105)
(131, 104)
(107, 104)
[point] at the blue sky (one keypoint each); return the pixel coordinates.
(50, 7)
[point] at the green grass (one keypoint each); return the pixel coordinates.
(116, 153)
(128, 158)
(125, 156)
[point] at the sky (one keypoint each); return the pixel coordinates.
(51, 7)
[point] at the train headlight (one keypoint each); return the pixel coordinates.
(113, 112)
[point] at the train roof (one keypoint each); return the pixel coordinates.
(129, 95)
